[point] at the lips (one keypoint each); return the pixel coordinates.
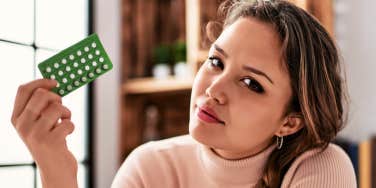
(207, 114)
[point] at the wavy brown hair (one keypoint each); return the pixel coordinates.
(313, 63)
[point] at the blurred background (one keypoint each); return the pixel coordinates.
(156, 47)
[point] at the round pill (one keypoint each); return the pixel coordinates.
(94, 63)
(56, 65)
(87, 67)
(105, 66)
(97, 52)
(76, 83)
(52, 77)
(101, 59)
(79, 71)
(65, 80)
(86, 49)
(75, 64)
(61, 92)
(90, 56)
(60, 73)
(91, 75)
(98, 70)
(79, 53)
(69, 87)
(48, 69)
(68, 68)
(64, 61)
(71, 57)
(83, 60)
(84, 79)
(93, 45)
(72, 76)
(58, 85)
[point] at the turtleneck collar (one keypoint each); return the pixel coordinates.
(243, 171)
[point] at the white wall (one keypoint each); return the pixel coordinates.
(106, 116)
(357, 39)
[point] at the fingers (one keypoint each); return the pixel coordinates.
(47, 120)
(63, 129)
(50, 116)
(39, 101)
(25, 92)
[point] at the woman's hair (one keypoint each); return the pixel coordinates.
(313, 63)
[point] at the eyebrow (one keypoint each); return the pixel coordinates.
(246, 67)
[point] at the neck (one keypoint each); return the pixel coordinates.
(238, 155)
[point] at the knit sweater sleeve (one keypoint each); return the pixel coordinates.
(331, 168)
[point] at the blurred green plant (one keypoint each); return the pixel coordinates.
(180, 51)
(162, 54)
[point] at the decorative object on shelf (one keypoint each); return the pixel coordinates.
(151, 131)
(181, 69)
(162, 61)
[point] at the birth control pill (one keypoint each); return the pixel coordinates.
(69, 87)
(91, 75)
(98, 70)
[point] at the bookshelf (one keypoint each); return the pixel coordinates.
(148, 23)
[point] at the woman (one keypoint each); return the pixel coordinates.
(264, 108)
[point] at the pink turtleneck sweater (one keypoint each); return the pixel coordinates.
(181, 162)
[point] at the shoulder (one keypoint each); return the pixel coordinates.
(154, 161)
(170, 145)
(157, 151)
(316, 168)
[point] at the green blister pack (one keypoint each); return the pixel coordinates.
(76, 65)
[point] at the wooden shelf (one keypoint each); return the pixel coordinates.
(152, 85)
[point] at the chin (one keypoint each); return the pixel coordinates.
(205, 136)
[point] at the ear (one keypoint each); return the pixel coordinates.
(291, 124)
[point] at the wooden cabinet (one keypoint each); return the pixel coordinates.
(156, 109)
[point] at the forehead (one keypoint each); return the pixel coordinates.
(249, 41)
(253, 37)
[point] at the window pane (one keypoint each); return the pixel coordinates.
(77, 103)
(59, 24)
(17, 177)
(18, 69)
(17, 20)
(82, 175)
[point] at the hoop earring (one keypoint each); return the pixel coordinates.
(279, 142)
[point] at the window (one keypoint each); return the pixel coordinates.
(32, 31)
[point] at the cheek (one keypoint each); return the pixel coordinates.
(253, 123)
(199, 84)
(197, 88)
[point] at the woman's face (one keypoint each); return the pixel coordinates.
(244, 83)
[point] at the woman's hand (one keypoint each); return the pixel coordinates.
(43, 123)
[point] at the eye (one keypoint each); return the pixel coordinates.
(215, 62)
(253, 85)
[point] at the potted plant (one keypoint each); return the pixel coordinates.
(162, 61)
(181, 70)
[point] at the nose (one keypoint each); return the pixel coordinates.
(216, 91)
